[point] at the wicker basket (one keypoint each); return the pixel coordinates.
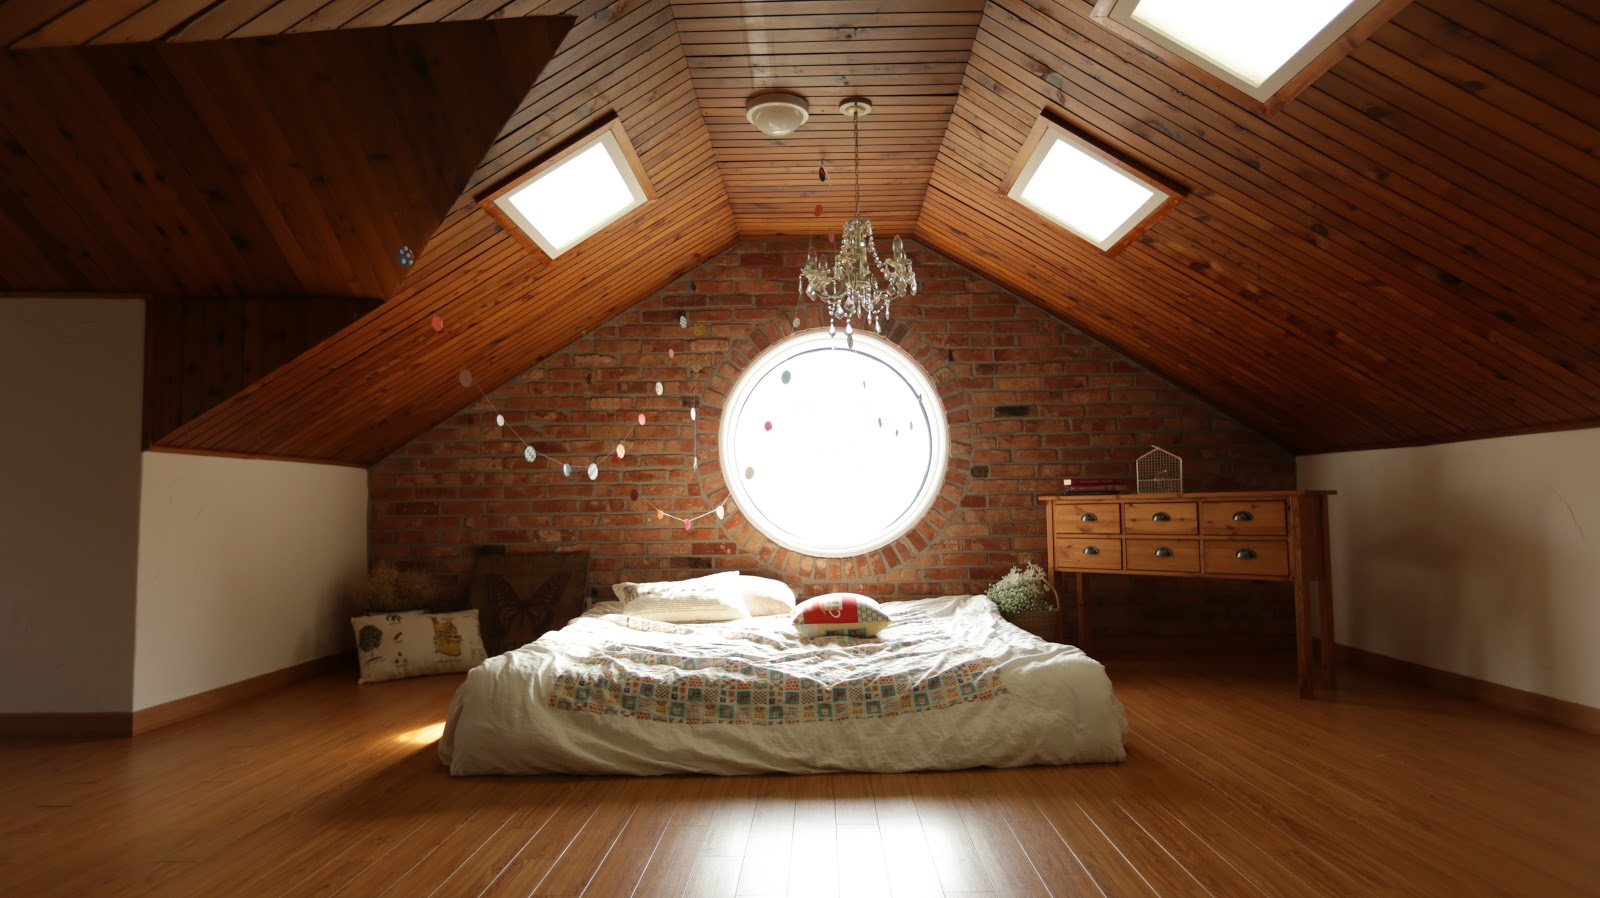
(1042, 624)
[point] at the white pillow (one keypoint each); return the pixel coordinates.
(764, 595)
(711, 598)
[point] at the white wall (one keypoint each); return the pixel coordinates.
(1481, 558)
(241, 567)
(70, 377)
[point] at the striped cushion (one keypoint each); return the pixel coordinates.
(710, 598)
(840, 614)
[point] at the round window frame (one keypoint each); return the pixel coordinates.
(887, 353)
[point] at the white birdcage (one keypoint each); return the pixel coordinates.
(1159, 471)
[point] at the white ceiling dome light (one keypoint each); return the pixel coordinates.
(776, 114)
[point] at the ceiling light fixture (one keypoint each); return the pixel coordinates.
(776, 114)
(848, 286)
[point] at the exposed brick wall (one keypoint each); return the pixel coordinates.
(1089, 411)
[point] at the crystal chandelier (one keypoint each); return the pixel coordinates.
(848, 286)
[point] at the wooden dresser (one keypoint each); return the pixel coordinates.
(1244, 536)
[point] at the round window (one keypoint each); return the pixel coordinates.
(833, 451)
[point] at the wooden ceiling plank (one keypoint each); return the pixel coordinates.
(866, 60)
(223, 19)
(1154, 304)
(977, 62)
(1257, 415)
(1359, 239)
(336, 14)
(393, 12)
(153, 22)
(1552, 20)
(1440, 175)
(836, 25)
(823, 7)
(188, 160)
(507, 305)
(278, 18)
(20, 18)
(151, 225)
(1303, 180)
(80, 24)
(256, 145)
(387, 311)
(1516, 178)
(1529, 51)
(1517, 117)
(479, 302)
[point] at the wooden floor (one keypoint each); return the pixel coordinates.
(1232, 787)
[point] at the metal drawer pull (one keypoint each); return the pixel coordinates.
(1245, 553)
(1090, 550)
(1243, 516)
(1089, 516)
(1161, 516)
(1163, 552)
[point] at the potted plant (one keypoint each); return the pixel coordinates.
(1026, 598)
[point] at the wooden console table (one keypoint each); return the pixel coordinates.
(1238, 536)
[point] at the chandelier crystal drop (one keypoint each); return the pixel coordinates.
(848, 285)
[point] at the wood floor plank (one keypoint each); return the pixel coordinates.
(1232, 787)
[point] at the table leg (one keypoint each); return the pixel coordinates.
(1302, 635)
(1325, 607)
(1083, 613)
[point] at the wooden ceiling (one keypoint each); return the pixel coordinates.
(1404, 253)
(251, 167)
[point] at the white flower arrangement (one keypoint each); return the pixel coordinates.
(1023, 589)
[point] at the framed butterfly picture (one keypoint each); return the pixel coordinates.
(521, 595)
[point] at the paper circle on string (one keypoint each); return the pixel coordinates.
(672, 353)
(691, 412)
(405, 256)
(566, 470)
(697, 462)
(641, 419)
(660, 514)
(659, 388)
(594, 470)
(687, 526)
(785, 377)
(767, 426)
(465, 377)
(698, 330)
(749, 473)
(634, 494)
(719, 512)
(499, 420)
(817, 211)
(621, 451)
(683, 320)
(529, 453)
(797, 321)
(438, 323)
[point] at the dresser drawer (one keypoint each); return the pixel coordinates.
(1088, 517)
(1244, 517)
(1247, 557)
(1159, 517)
(1175, 555)
(1088, 553)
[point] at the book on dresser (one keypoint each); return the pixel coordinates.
(1081, 486)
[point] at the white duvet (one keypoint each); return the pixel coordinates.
(948, 685)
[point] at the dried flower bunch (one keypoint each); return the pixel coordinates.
(1024, 589)
(387, 588)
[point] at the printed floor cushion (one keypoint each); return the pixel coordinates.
(839, 614)
(392, 646)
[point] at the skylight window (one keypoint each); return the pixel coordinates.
(1086, 190)
(573, 194)
(1268, 50)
